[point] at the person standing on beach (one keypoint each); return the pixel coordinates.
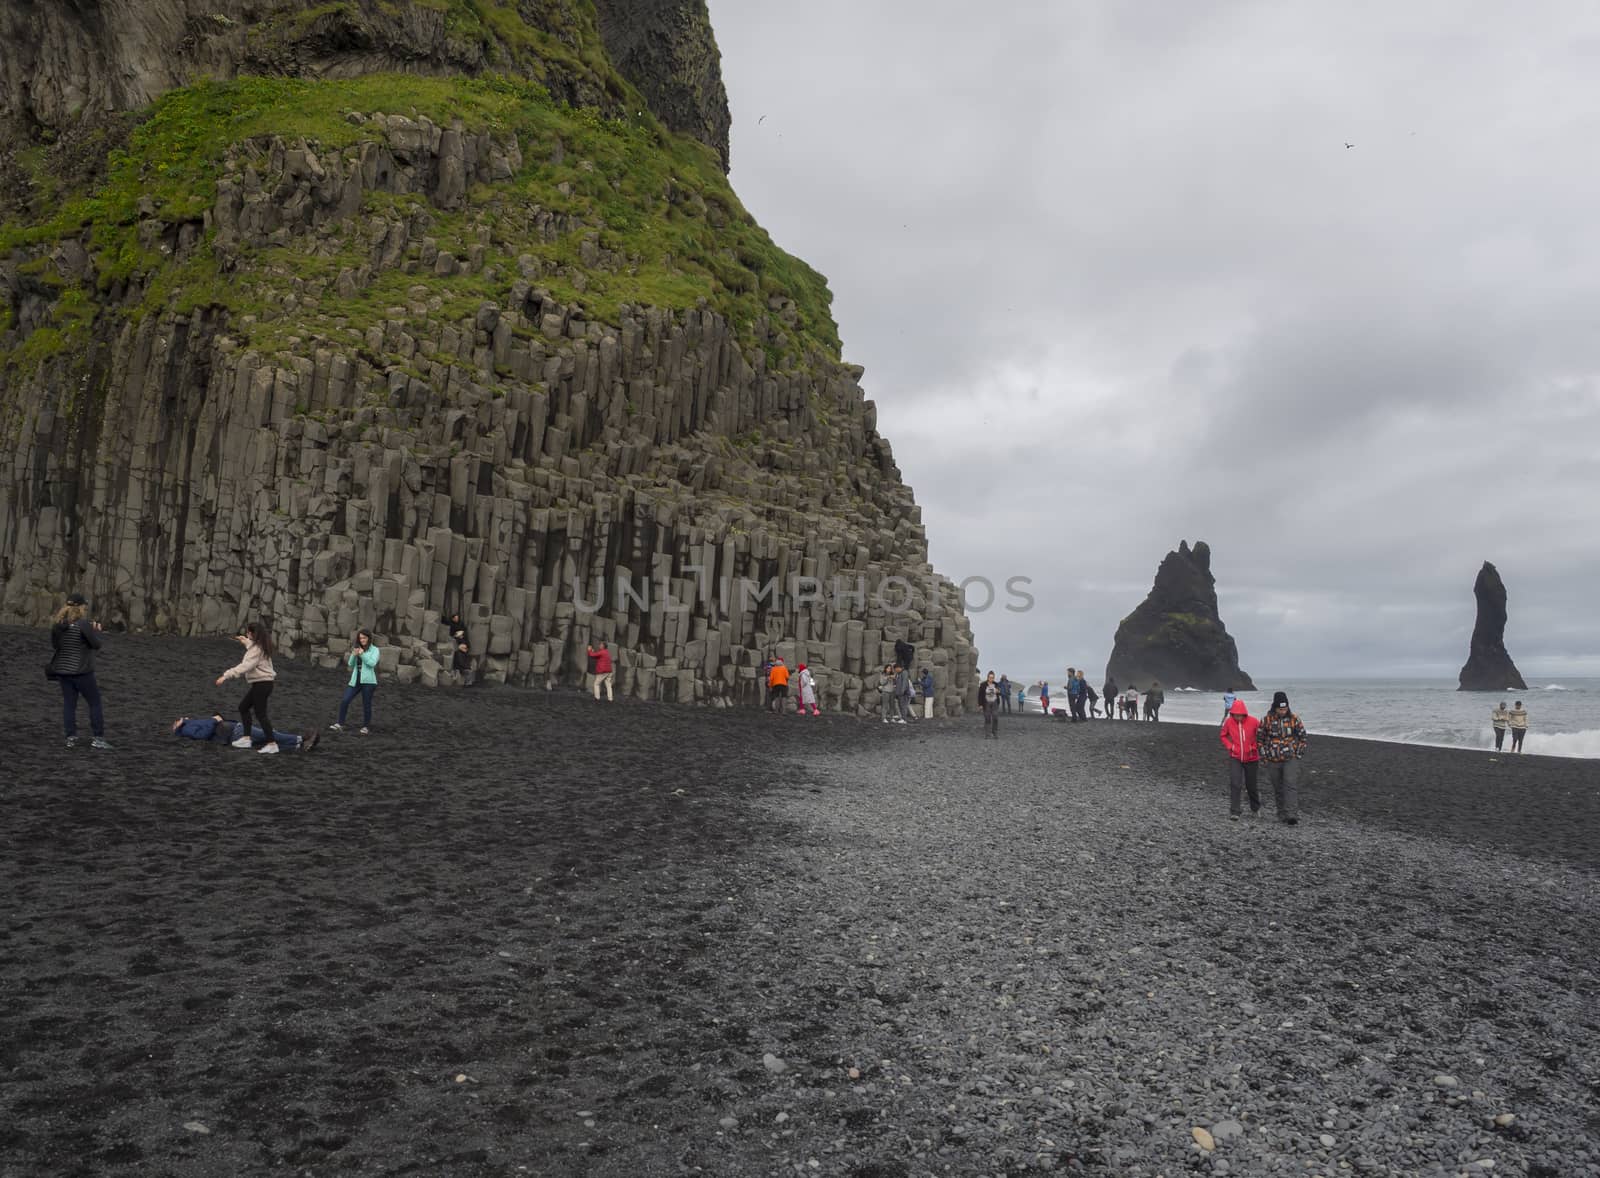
(808, 691)
(257, 671)
(1044, 699)
(1072, 694)
(1240, 736)
(1109, 696)
(886, 690)
(903, 692)
(602, 670)
(363, 663)
(73, 640)
(989, 697)
(1283, 741)
(927, 693)
(1005, 694)
(777, 686)
(461, 656)
(1227, 703)
(1153, 699)
(1499, 718)
(1519, 726)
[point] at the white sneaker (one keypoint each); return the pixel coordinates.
(242, 743)
(270, 748)
(335, 727)
(366, 732)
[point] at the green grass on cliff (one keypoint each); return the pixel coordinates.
(657, 198)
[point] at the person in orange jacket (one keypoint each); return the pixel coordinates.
(778, 685)
(1238, 736)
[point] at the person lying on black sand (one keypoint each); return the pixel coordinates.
(231, 732)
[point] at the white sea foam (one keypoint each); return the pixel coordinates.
(1553, 687)
(1564, 744)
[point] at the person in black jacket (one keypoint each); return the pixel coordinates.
(73, 640)
(904, 653)
(461, 659)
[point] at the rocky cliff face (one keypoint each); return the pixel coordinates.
(292, 356)
(1176, 635)
(1489, 666)
(66, 59)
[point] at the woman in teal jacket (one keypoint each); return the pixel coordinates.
(363, 663)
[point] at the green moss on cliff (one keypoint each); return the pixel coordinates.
(657, 200)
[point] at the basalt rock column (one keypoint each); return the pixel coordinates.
(1489, 666)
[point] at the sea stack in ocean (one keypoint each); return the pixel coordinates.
(1176, 635)
(1489, 666)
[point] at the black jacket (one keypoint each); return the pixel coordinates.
(74, 644)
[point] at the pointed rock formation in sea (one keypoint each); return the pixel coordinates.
(1176, 635)
(1489, 666)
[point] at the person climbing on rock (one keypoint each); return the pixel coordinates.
(777, 685)
(74, 638)
(214, 728)
(1239, 736)
(603, 674)
(904, 652)
(1499, 718)
(1518, 719)
(1282, 739)
(989, 697)
(363, 663)
(808, 691)
(259, 676)
(461, 654)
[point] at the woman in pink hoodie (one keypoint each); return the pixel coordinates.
(1244, 759)
(257, 671)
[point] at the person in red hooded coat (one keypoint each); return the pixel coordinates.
(1244, 759)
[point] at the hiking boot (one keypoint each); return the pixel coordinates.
(270, 747)
(72, 742)
(242, 743)
(99, 742)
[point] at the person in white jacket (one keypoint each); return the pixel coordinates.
(808, 692)
(257, 671)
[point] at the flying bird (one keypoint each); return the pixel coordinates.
(761, 120)
(1348, 146)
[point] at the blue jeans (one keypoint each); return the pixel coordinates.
(287, 741)
(72, 686)
(365, 692)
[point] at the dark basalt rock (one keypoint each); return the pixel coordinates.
(1489, 666)
(1176, 635)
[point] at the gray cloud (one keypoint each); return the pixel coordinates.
(1117, 281)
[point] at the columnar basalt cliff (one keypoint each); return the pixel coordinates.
(1489, 666)
(1176, 635)
(363, 351)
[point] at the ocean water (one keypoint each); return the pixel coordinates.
(1563, 714)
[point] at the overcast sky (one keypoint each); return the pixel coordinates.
(1117, 281)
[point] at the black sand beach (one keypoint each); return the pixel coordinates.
(519, 933)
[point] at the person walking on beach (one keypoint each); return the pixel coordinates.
(73, 640)
(1022, 699)
(363, 663)
(1005, 694)
(1283, 742)
(777, 686)
(601, 656)
(1227, 703)
(1153, 699)
(461, 656)
(257, 671)
(1089, 694)
(215, 728)
(989, 697)
(808, 691)
(1499, 718)
(1240, 736)
(1072, 694)
(1519, 725)
(1109, 697)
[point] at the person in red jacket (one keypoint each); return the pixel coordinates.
(602, 670)
(1244, 759)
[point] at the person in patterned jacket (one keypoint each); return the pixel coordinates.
(1282, 741)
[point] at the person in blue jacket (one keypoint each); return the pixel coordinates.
(363, 663)
(215, 728)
